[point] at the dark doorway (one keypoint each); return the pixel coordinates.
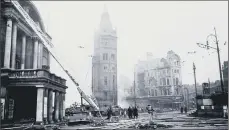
(25, 99)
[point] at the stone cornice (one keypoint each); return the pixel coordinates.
(11, 13)
(22, 24)
(26, 30)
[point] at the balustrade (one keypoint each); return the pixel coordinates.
(38, 73)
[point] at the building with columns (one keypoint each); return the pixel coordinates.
(104, 64)
(28, 89)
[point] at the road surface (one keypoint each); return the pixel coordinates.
(173, 119)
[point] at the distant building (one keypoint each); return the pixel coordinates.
(162, 76)
(104, 64)
(159, 81)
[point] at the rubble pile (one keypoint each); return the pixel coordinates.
(96, 123)
(150, 125)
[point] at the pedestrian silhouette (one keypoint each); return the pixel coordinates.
(181, 110)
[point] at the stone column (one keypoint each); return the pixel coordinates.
(50, 110)
(56, 105)
(63, 104)
(46, 106)
(23, 51)
(40, 55)
(35, 56)
(14, 45)
(40, 105)
(61, 107)
(8, 43)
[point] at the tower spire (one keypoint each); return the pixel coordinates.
(105, 9)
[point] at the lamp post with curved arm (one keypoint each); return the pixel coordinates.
(217, 48)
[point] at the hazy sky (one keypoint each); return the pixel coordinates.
(149, 26)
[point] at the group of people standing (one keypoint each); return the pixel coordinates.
(132, 112)
(183, 109)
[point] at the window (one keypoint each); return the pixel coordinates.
(45, 57)
(164, 72)
(113, 68)
(165, 92)
(168, 82)
(18, 62)
(105, 80)
(177, 81)
(112, 56)
(164, 81)
(167, 71)
(113, 79)
(105, 67)
(155, 92)
(174, 81)
(152, 91)
(178, 71)
(105, 56)
(160, 81)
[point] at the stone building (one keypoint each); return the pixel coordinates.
(162, 79)
(28, 89)
(104, 71)
(164, 76)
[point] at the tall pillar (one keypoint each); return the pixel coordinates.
(46, 106)
(40, 105)
(50, 109)
(23, 51)
(56, 106)
(8, 43)
(40, 55)
(63, 104)
(35, 56)
(14, 45)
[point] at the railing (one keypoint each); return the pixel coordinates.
(38, 73)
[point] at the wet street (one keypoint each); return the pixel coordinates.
(174, 120)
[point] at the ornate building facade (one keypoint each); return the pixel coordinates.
(159, 81)
(164, 77)
(104, 71)
(28, 89)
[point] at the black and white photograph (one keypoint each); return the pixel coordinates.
(75, 64)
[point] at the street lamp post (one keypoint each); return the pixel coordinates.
(217, 45)
(194, 71)
(134, 91)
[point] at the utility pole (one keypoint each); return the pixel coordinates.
(217, 48)
(209, 85)
(134, 91)
(194, 70)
